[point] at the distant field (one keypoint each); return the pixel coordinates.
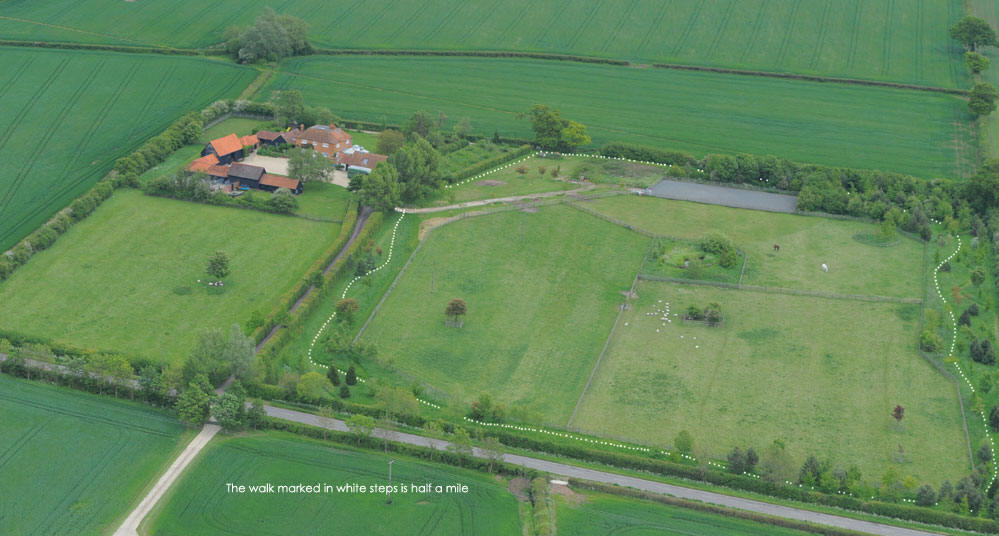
(542, 291)
(851, 126)
(822, 375)
(599, 514)
(805, 244)
(872, 39)
(125, 278)
(70, 114)
(75, 463)
(199, 503)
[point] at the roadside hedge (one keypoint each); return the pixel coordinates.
(292, 295)
(468, 53)
(711, 508)
(96, 46)
(294, 324)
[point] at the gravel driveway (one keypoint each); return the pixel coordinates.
(720, 195)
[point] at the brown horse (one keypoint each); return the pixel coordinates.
(776, 247)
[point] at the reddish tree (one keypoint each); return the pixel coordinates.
(898, 413)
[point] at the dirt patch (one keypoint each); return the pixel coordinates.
(630, 294)
(529, 209)
(518, 487)
(492, 183)
(573, 498)
(432, 223)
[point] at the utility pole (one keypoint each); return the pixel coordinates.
(389, 500)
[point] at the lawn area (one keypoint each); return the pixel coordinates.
(76, 463)
(508, 182)
(832, 124)
(199, 503)
(542, 291)
(324, 200)
(599, 514)
(806, 242)
(900, 41)
(177, 161)
(822, 375)
(365, 139)
(125, 278)
(57, 139)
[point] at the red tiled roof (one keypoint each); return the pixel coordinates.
(268, 135)
(249, 140)
(226, 145)
(203, 164)
(218, 171)
(320, 134)
(279, 182)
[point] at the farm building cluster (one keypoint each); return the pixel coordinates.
(220, 159)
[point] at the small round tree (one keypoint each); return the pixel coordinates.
(218, 265)
(454, 313)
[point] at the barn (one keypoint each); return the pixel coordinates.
(227, 149)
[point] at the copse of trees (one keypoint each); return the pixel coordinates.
(289, 107)
(307, 165)
(270, 38)
(410, 174)
(554, 133)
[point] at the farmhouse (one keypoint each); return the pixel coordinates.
(327, 140)
(227, 149)
(358, 161)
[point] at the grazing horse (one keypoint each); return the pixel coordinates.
(776, 247)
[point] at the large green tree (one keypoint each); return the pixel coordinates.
(974, 32)
(218, 265)
(418, 164)
(307, 165)
(193, 404)
(380, 188)
(554, 133)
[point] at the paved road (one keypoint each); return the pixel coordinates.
(131, 525)
(572, 471)
(720, 195)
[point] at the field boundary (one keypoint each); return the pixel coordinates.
(607, 341)
(783, 290)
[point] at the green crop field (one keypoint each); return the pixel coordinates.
(822, 375)
(805, 244)
(832, 124)
(69, 115)
(199, 503)
(900, 41)
(125, 278)
(75, 463)
(542, 290)
(599, 514)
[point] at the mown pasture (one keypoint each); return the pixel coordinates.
(870, 39)
(820, 374)
(542, 290)
(70, 114)
(126, 278)
(599, 514)
(832, 124)
(805, 242)
(199, 504)
(76, 463)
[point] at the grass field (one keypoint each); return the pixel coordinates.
(902, 41)
(820, 374)
(125, 278)
(199, 503)
(324, 200)
(806, 243)
(57, 138)
(600, 514)
(74, 463)
(542, 291)
(832, 124)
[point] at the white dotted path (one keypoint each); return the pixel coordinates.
(950, 356)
